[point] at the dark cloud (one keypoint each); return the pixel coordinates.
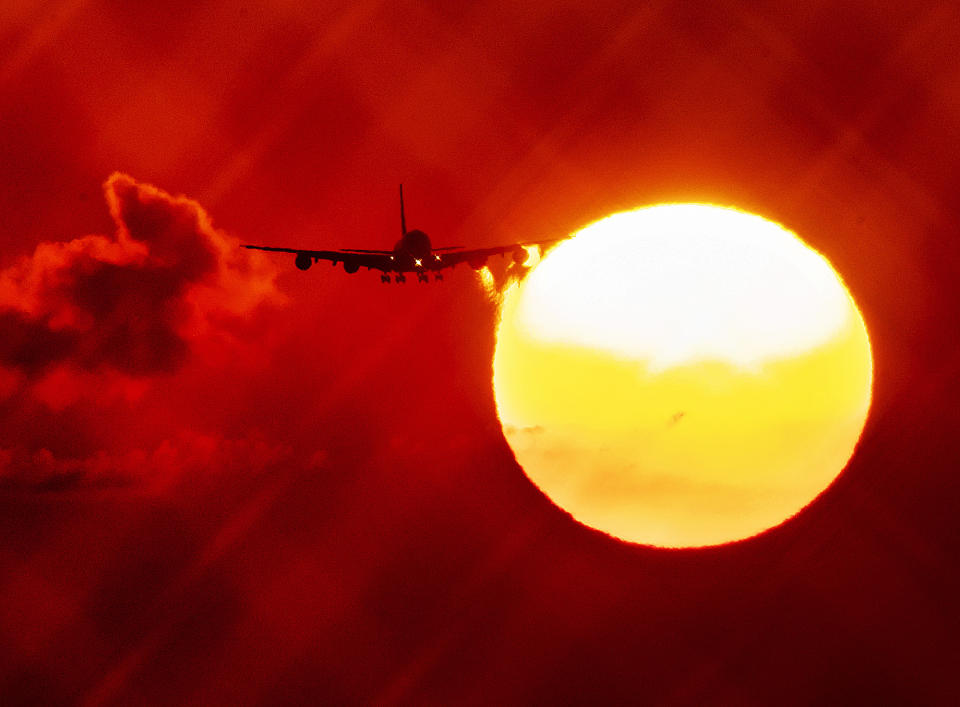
(88, 326)
(188, 455)
(31, 344)
(132, 302)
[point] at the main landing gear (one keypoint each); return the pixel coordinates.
(421, 277)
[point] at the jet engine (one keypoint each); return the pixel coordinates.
(303, 261)
(350, 266)
(478, 261)
(520, 255)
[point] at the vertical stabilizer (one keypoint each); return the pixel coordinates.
(403, 220)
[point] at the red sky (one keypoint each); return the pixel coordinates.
(224, 481)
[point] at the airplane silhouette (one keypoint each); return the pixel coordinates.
(413, 253)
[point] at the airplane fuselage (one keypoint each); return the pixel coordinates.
(414, 253)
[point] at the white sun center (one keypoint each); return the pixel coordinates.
(708, 283)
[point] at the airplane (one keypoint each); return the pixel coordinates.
(413, 253)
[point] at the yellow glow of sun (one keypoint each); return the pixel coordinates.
(682, 375)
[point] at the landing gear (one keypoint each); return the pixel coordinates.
(423, 277)
(401, 278)
(384, 278)
(438, 277)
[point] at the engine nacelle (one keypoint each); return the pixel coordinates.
(350, 267)
(520, 255)
(478, 261)
(303, 261)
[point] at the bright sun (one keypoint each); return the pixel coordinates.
(682, 375)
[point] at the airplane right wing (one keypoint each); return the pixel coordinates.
(477, 257)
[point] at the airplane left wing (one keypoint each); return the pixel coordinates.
(352, 260)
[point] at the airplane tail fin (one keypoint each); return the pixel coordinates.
(403, 220)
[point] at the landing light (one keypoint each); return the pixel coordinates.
(436, 257)
(418, 262)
